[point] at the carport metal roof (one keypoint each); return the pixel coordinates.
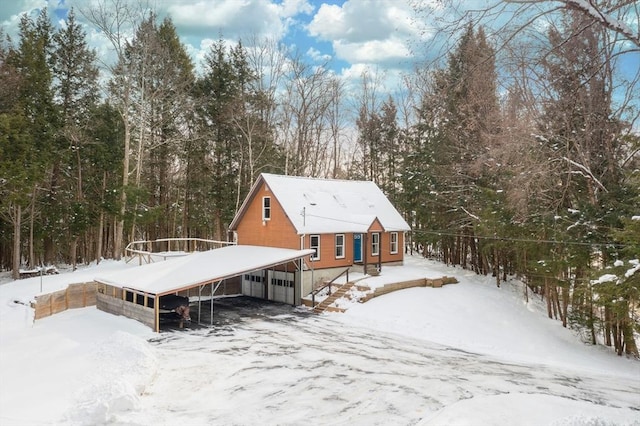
(200, 268)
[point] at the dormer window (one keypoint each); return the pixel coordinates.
(266, 208)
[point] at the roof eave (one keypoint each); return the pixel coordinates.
(247, 200)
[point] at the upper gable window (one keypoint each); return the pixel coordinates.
(266, 208)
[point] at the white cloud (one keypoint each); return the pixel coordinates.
(11, 11)
(290, 8)
(375, 51)
(199, 22)
(226, 16)
(317, 56)
(235, 18)
(363, 31)
(358, 21)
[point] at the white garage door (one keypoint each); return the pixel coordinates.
(281, 286)
(253, 284)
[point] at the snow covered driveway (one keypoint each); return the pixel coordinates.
(282, 366)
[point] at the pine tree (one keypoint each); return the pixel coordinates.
(76, 77)
(218, 92)
(583, 145)
(34, 123)
(460, 117)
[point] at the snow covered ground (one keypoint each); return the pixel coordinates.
(465, 354)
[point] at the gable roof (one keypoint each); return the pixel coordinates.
(328, 205)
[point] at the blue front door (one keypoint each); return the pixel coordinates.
(357, 248)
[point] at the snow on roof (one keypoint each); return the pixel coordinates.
(331, 205)
(200, 268)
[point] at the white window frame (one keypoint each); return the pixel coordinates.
(375, 244)
(266, 210)
(315, 247)
(341, 246)
(393, 242)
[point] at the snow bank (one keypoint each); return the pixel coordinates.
(477, 316)
(51, 369)
(126, 364)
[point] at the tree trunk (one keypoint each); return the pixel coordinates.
(496, 266)
(32, 256)
(565, 305)
(555, 305)
(607, 326)
(17, 217)
(73, 248)
(118, 236)
(101, 221)
(630, 347)
(547, 295)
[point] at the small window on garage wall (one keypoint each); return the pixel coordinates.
(314, 244)
(375, 244)
(393, 238)
(266, 208)
(339, 246)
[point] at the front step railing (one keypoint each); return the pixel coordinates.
(340, 292)
(328, 285)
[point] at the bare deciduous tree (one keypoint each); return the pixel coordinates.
(117, 21)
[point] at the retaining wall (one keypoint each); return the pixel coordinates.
(74, 296)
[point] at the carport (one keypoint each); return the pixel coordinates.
(134, 292)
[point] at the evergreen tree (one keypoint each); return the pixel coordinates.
(35, 118)
(218, 93)
(583, 142)
(76, 86)
(460, 122)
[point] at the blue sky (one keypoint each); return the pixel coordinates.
(355, 35)
(385, 37)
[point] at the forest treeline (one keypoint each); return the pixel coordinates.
(514, 162)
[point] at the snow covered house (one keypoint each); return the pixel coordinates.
(348, 224)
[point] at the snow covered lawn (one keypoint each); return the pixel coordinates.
(464, 354)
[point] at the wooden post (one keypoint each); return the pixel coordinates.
(364, 251)
(380, 249)
(156, 308)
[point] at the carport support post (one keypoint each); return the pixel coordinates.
(156, 310)
(211, 320)
(199, 302)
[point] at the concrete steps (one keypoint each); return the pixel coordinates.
(372, 269)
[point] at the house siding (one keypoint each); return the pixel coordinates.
(275, 232)
(279, 231)
(328, 251)
(385, 255)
